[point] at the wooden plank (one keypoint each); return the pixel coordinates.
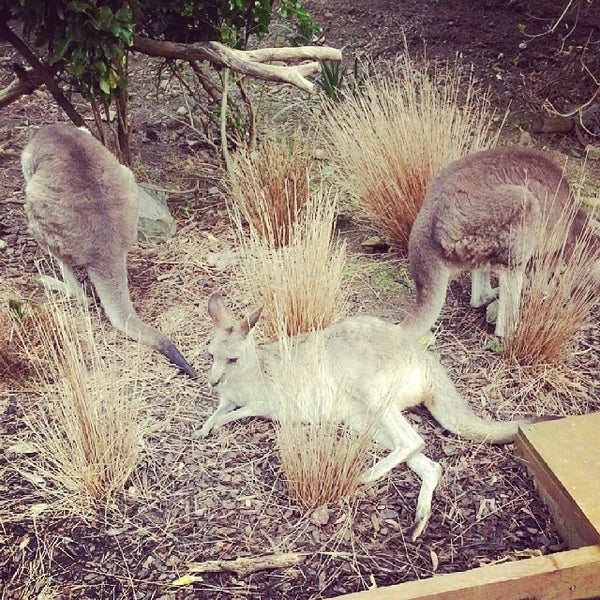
(564, 459)
(562, 576)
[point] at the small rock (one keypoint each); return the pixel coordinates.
(320, 516)
(375, 245)
(155, 223)
(3, 244)
(525, 139)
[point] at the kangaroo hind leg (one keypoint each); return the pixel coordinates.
(509, 301)
(430, 473)
(396, 434)
(406, 445)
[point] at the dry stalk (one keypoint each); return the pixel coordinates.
(88, 426)
(558, 295)
(300, 284)
(322, 459)
(391, 136)
(270, 186)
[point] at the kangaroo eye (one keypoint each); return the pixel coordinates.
(232, 361)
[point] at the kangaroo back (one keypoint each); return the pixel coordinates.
(82, 205)
(481, 213)
(81, 201)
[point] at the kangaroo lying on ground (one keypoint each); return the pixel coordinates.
(82, 206)
(374, 368)
(480, 214)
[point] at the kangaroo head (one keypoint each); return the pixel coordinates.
(232, 349)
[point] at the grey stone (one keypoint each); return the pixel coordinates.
(155, 224)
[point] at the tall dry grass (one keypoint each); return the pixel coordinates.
(321, 457)
(88, 426)
(559, 294)
(291, 264)
(389, 137)
(270, 185)
(301, 284)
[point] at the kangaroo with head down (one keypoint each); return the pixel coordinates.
(82, 206)
(482, 213)
(374, 368)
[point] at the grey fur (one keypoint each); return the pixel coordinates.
(82, 207)
(479, 214)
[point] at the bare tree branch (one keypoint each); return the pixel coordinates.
(25, 83)
(41, 71)
(254, 63)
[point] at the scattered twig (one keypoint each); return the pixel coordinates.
(241, 566)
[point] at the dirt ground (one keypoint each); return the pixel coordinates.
(225, 497)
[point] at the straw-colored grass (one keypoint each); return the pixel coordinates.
(270, 185)
(9, 359)
(391, 135)
(321, 457)
(559, 294)
(300, 285)
(87, 428)
(16, 315)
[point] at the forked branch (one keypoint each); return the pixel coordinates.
(254, 63)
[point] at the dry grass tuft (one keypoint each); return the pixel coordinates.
(390, 137)
(322, 458)
(88, 427)
(300, 284)
(558, 296)
(270, 186)
(11, 365)
(16, 317)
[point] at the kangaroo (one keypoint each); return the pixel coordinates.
(82, 206)
(375, 369)
(481, 214)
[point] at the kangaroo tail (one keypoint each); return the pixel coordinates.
(452, 412)
(170, 350)
(114, 297)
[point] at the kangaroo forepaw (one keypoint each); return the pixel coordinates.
(485, 298)
(203, 432)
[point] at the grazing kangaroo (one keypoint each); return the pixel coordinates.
(481, 214)
(375, 370)
(82, 206)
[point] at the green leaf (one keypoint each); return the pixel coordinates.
(105, 18)
(104, 85)
(59, 50)
(78, 7)
(124, 14)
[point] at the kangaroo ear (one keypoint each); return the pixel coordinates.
(216, 309)
(247, 324)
